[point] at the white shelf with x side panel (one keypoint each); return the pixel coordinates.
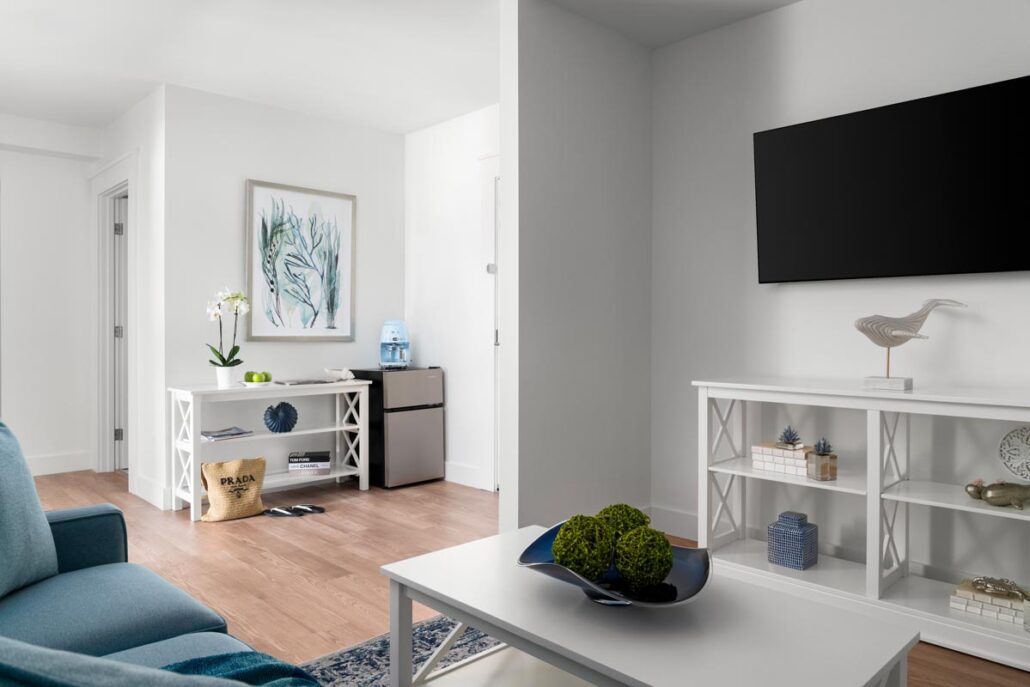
(884, 583)
(349, 429)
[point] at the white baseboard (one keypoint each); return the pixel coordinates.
(469, 475)
(151, 491)
(674, 521)
(53, 463)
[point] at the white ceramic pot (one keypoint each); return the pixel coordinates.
(225, 377)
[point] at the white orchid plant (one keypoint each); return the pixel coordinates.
(227, 302)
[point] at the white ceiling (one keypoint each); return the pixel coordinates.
(397, 65)
(658, 22)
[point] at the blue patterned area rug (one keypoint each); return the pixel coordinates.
(368, 664)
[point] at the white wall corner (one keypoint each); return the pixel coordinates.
(675, 521)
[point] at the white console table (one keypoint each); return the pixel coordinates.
(884, 583)
(350, 429)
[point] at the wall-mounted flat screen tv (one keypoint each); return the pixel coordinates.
(939, 185)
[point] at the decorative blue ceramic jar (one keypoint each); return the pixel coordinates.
(793, 541)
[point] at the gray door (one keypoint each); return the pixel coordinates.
(414, 446)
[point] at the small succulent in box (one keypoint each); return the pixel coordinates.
(621, 518)
(584, 545)
(822, 461)
(643, 558)
(790, 438)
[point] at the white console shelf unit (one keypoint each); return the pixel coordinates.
(350, 430)
(884, 584)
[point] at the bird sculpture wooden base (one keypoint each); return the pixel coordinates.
(891, 332)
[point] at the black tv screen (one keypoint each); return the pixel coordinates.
(939, 185)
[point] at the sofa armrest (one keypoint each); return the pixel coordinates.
(93, 535)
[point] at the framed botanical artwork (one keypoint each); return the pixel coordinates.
(300, 263)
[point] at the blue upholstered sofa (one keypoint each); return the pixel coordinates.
(100, 605)
(75, 612)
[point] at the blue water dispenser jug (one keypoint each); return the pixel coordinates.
(394, 347)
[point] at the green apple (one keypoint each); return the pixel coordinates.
(267, 376)
(249, 376)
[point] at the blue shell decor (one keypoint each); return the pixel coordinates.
(280, 418)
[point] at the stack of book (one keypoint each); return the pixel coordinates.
(777, 458)
(310, 463)
(1006, 608)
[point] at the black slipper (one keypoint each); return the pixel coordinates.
(308, 508)
(280, 512)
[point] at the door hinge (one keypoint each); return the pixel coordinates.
(119, 229)
(119, 434)
(497, 337)
(119, 331)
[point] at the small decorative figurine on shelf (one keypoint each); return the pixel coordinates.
(793, 541)
(891, 332)
(1000, 493)
(822, 462)
(790, 439)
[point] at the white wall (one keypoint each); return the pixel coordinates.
(48, 305)
(134, 148)
(711, 317)
(449, 296)
(584, 205)
(214, 144)
(508, 272)
(50, 138)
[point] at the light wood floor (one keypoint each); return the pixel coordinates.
(299, 588)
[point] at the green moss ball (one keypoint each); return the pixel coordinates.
(622, 518)
(584, 545)
(643, 557)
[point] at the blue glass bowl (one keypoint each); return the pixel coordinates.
(691, 569)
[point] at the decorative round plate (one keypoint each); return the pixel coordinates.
(254, 385)
(1015, 452)
(691, 569)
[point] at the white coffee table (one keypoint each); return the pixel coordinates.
(735, 633)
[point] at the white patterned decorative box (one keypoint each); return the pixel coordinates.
(772, 458)
(1004, 609)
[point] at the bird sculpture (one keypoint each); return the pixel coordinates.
(889, 332)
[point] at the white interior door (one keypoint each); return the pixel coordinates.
(489, 181)
(119, 363)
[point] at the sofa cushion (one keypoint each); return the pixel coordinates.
(25, 665)
(181, 648)
(25, 540)
(103, 609)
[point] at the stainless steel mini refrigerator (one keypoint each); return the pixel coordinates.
(405, 425)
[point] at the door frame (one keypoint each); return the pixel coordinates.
(105, 324)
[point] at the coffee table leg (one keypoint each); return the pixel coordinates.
(898, 675)
(400, 636)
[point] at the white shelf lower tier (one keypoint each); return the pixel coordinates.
(835, 573)
(848, 481)
(278, 480)
(950, 496)
(930, 599)
(911, 596)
